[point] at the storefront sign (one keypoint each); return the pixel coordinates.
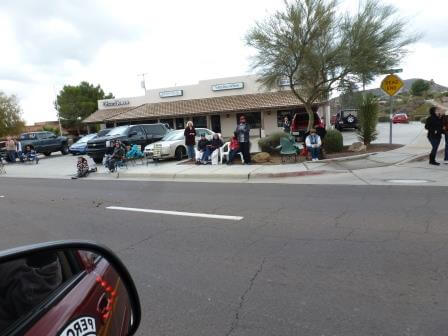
(228, 86)
(111, 103)
(284, 82)
(174, 93)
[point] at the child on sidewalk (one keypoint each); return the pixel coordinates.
(82, 167)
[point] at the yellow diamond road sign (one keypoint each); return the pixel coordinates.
(392, 84)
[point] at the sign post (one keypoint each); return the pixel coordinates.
(391, 85)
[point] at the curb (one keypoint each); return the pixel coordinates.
(294, 174)
(349, 158)
(245, 176)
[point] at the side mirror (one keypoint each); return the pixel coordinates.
(53, 136)
(84, 280)
(133, 133)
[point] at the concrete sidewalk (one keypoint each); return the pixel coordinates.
(64, 167)
(416, 149)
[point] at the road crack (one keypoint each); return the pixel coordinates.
(243, 298)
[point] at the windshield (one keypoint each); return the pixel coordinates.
(121, 130)
(103, 132)
(350, 112)
(28, 136)
(173, 136)
(86, 138)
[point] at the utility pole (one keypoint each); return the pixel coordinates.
(56, 106)
(143, 83)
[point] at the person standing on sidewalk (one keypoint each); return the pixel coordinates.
(11, 149)
(445, 131)
(434, 125)
(286, 125)
(242, 130)
(190, 139)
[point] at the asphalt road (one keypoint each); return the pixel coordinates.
(305, 260)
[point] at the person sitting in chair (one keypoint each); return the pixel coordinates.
(29, 154)
(234, 147)
(202, 146)
(117, 155)
(313, 144)
(215, 144)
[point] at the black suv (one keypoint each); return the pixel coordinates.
(347, 118)
(129, 135)
(45, 142)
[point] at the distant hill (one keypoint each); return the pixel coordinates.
(407, 86)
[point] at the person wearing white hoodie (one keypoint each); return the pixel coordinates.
(313, 144)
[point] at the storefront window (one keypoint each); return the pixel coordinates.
(284, 113)
(152, 121)
(170, 122)
(200, 122)
(302, 115)
(180, 123)
(252, 118)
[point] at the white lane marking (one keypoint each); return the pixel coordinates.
(177, 213)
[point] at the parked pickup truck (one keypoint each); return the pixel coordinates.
(141, 135)
(45, 142)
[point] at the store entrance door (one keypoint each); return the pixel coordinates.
(216, 123)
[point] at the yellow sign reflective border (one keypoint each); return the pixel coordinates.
(391, 84)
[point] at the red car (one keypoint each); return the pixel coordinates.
(400, 118)
(299, 123)
(66, 289)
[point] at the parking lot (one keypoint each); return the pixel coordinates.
(402, 134)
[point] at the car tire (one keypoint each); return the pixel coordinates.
(64, 150)
(47, 153)
(180, 153)
(98, 160)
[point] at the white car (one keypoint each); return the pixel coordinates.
(172, 144)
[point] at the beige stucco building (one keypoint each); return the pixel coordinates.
(214, 103)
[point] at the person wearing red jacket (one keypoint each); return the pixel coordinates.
(234, 147)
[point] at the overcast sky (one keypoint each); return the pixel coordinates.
(49, 43)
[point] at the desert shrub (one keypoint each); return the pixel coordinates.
(48, 128)
(422, 109)
(368, 118)
(333, 141)
(269, 143)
